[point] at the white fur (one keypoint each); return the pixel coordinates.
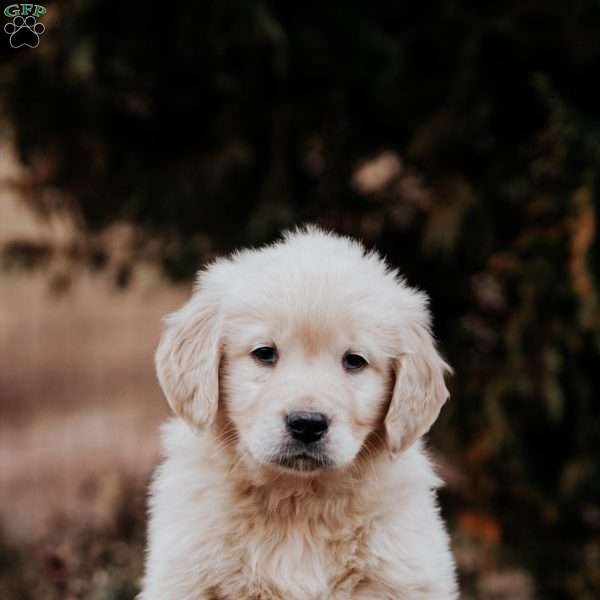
(227, 521)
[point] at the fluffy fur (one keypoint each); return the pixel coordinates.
(237, 510)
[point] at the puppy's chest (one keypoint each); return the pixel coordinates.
(297, 560)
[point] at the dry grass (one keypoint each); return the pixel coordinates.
(79, 402)
(79, 411)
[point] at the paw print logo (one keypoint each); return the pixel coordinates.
(24, 31)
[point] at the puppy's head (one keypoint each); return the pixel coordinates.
(308, 347)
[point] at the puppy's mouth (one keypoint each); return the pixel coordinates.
(304, 462)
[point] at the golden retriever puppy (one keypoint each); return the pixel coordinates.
(302, 375)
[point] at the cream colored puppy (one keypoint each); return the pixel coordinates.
(303, 375)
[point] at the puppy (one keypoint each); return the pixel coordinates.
(303, 375)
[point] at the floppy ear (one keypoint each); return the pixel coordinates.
(419, 390)
(188, 356)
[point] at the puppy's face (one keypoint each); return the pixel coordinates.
(305, 348)
(306, 379)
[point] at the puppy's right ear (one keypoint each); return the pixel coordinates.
(188, 356)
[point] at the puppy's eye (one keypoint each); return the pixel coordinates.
(354, 362)
(265, 354)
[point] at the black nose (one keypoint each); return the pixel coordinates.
(306, 426)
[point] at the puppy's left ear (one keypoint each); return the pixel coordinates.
(188, 356)
(419, 390)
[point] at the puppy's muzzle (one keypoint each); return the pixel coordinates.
(307, 426)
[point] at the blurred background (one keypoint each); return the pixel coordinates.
(462, 139)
